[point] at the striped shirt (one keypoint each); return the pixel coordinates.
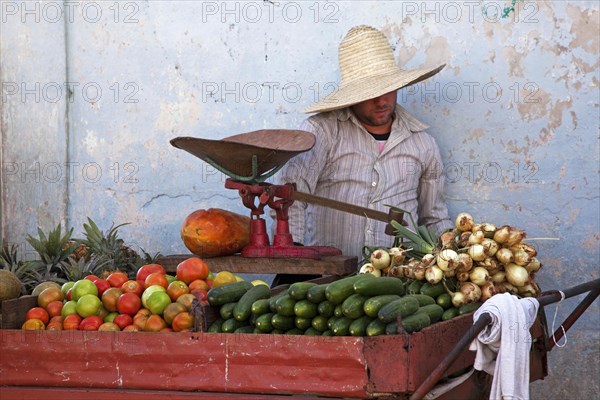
(346, 165)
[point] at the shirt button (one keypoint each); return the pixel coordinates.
(373, 184)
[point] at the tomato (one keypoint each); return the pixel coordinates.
(199, 284)
(117, 279)
(109, 326)
(157, 302)
(166, 330)
(140, 321)
(88, 305)
(33, 324)
(83, 287)
(176, 289)
(57, 318)
(54, 326)
(49, 295)
(183, 321)
(102, 312)
(191, 269)
(149, 291)
(154, 323)
(123, 320)
(171, 311)
(91, 278)
(186, 300)
(71, 322)
(54, 308)
(66, 286)
(143, 312)
(110, 317)
(132, 286)
(110, 297)
(146, 270)
(200, 294)
(129, 303)
(91, 323)
(102, 285)
(70, 307)
(156, 278)
(131, 328)
(38, 313)
(68, 294)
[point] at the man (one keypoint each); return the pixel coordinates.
(369, 151)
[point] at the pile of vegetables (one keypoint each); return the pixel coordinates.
(480, 258)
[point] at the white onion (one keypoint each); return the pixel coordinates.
(477, 252)
(462, 240)
(433, 274)
(450, 273)
(488, 230)
(447, 260)
(398, 255)
(465, 263)
(516, 275)
(458, 299)
(506, 287)
(380, 259)
(471, 291)
(528, 290)
(490, 247)
(515, 236)
(447, 240)
(369, 269)
(419, 273)
(505, 256)
(501, 234)
(463, 222)
(476, 237)
(522, 258)
(462, 276)
(499, 276)
(479, 276)
(487, 291)
(427, 260)
(534, 265)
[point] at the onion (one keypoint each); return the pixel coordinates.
(463, 239)
(505, 256)
(490, 247)
(471, 291)
(533, 266)
(487, 291)
(396, 271)
(369, 269)
(427, 260)
(447, 260)
(506, 287)
(433, 274)
(419, 273)
(515, 236)
(476, 237)
(462, 276)
(398, 255)
(477, 252)
(488, 230)
(501, 234)
(526, 247)
(516, 275)
(463, 222)
(499, 277)
(447, 240)
(479, 276)
(458, 299)
(528, 290)
(450, 273)
(522, 258)
(465, 263)
(380, 259)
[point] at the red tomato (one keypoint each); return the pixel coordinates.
(183, 321)
(68, 294)
(176, 289)
(146, 270)
(131, 328)
(54, 308)
(199, 294)
(154, 323)
(199, 284)
(102, 285)
(109, 326)
(156, 278)
(117, 279)
(123, 320)
(49, 295)
(38, 313)
(71, 322)
(191, 269)
(91, 323)
(110, 298)
(91, 278)
(54, 326)
(132, 286)
(129, 303)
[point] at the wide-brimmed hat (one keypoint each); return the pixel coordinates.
(368, 69)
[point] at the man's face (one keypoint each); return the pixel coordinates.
(377, 112)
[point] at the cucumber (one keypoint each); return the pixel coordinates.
(391, 328)
(294, 331)
(352, 307)
(416, 322)
(402, 307)
(231, 324)
(316, 294)
(414, 287)
(358, 327)
(341, 326)
(303, 323)
(444, 300)
(450, 313)
(328, 332)
(263, 322)
(228, 293)
(284, 305)
(379, 286)
(306, 309)
(226, 310)
(320, 323)
(373, 304)
(434, 311)
(282, 322)
(469, 308)
(338, 291)
(276, 332)
(331, 320)
(312, 332)
(274, 299)
(337, 311)
(432, 290)
(243, 307)
(215, 327)
(260, 307)
(246, 328)
(375, 328)
(299, 290)
(326, 308)
(423, 299)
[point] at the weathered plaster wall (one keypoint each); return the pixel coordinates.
(515, 112)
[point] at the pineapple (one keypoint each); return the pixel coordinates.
(75, 269)
(53, 250)
(23, 271)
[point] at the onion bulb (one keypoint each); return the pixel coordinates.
(514, 237)
(433, 274)
(479, 276)
(368, 268)
(447, 240)
(528, 290)
(465, 263)
(398, 255)
(463, 239)
(499, 276)
(501, 234)
(463, 222)
(516, 275)
(487, 291)
(477, 252)
(533, 266)
(450, 273)
(458, 299)
(490, 247)
(447, 260)
(476, 237)
(506, 287)
(419, 273)
(427, 260)
(462, 276)
(505, 256)
(488, 230)
(471, 291)
(380, 259)
(522, 258)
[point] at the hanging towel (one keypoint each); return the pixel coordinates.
(503, 346)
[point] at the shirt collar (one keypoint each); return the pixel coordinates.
(401, 116)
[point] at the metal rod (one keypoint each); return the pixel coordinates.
(338, 205)
(570, 320)
(483, 320)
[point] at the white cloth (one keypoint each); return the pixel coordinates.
(503, 346)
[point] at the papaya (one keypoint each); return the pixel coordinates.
(215, 232)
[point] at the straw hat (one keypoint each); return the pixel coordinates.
(368, 70)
